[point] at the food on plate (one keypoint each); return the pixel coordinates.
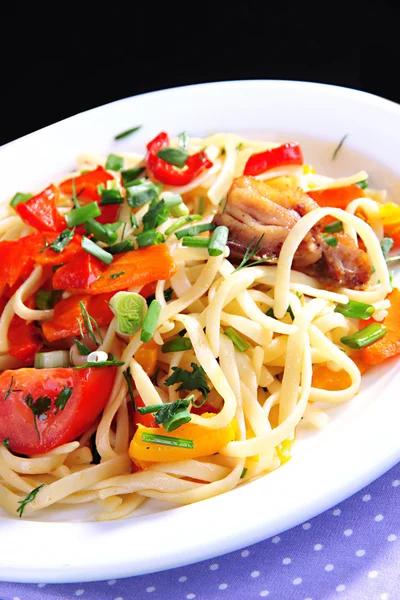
(169, 319)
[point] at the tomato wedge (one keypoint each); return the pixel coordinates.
(34, 430)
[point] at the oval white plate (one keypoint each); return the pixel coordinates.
(362, 439)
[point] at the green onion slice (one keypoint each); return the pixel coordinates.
(47, 299)
(365, 337)
(331, 241)
(174, 156)
(20, 197)
(194, 230)
(150, 321)
(180, 210)
(129, 175)
(194, 242)
(149, 238)
(237, 339)
(114, 162)
(125, 134)
(124, 246)
(183, 140)
(178, 344)
(355, 310)
(181, 222)
(142, 193)
(80, 215)
(111, 197)
(218, 240)
(387, 244)
(102, 233)
(52, 360)
(164, 440)
(129, 309)
(173, 200)
(334, 227)
(96, 251)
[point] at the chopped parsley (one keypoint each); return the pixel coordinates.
(29, 498)
(190, 380)
(63, 397)
(39, 408)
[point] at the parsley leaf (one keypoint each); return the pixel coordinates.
(62, 240)
(39, 408)
(63, 397)
(29, 498)
(195, 380)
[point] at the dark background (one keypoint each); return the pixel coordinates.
(62, 60)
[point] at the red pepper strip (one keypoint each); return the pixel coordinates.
(46, 256)
(17, 259)
(287, 154)
(24, 337)
(86, 184)
(146, 420)
(205, 408)
(336, 197)
(169, 174)
(41, 211)
(78, 274)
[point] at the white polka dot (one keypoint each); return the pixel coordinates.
(41, 585)
(255, 574)
(16, 598)
(329, 568)
(360, 552)
(264, 593)
(214, 567)
(384, 596)
(336, 512)
(366, 498)
(244, 553)
(191, 596)
(276, 539)
(79, 592)
(348, 532)
(378, 518)
(119, 598)
(391, 537)
(373, 574)
(396, 482)
(222, 586)
(286, 561)
(307, 598)
(112, 582)
(182, 579)
(318, 547)
(150, 589)
(306, 525)
(340, 588)
(297, 581)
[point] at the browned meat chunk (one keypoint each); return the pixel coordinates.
(255, 208)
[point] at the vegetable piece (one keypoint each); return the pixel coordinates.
(338, 147)
(49, 425)
(174, 156)
(331, 241)
(102, 233)
(179, 344)
(195, 242)
(171, 414)
(189, 380)
(82, 348)
(41, 212)
(80, 215)
(153, 438)
(180, 210)
(205, 442)
(194, 230)
(356, 310)
(366, 336)
(286, 154)
(333, 227)
(19, 197)
(150, 321)
(61, 241)
(86, 184)
(146, 356)
(90, 324)
(149, 298)
(390, 344)
(128, 378)
(29, 498)
(336, 197)
(124, 246)
(168, 173)
(149, 238)
(67, 317)
(237, 339)
(183, 140)
(47, 299)
(326, 379)
(157, 214)
(96, 251)
(79, 273)
(111, 197)
(173, 201)
(181, 222)
(125, 134)
(114, 162)
(52, 360)
(142, 193)
(129, 309)
(363, 184)
(147, 420)
(218, 240)
(129, 175)
(386, 245)
(24, 340)
(44, 253)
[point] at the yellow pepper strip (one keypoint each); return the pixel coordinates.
(390, 214)
(146, 356)
(205, 442)
(283, 450)
(308, 169)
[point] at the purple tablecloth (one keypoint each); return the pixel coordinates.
(350, 552)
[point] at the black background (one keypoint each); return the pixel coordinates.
(61, 60)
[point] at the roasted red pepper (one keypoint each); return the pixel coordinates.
(24, 337)
(287, 154)
(78, 274)
(86, 184)
(169, 174)
(41, 212)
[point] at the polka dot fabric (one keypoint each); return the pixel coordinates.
(350, 552)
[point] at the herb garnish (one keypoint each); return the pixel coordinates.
(10, 389)
(124, 134)
(115, 275)
(173, 156)
(29, 498)
(39, 408)
(172, 414)
(128, 378)
(62, 240)
(340, 144)
(63, 397)
(154, 378)
(82, 348)
(88, 322)
(157, 214)
(6, 443)
(251, 252)
(195, 380)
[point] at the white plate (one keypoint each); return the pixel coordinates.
(362, 440)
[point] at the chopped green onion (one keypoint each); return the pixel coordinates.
(156, 215)
(20, 197)
(111, 197)
(239, 146)
(364, 337)
(340, 144)
(165, 440)
(386, 245)
(331, 241)
(201, 204)
(129, 309)
(180, 210)
(47, 299)
(218, 240)
(142, 193)
(173, 200)
(134, 221)
(51, 360)
(114, 162)
(173, 156)
(183, 140)
(237, 339)
(243, 473)
(178, 344)
(334, 227)
(194, 242)
(150, 321)
(96, 251)
(355, 310)
(62, 240)
(129, 175)
(363, 184)
(181, 222)
(82, 348)
(194, 230)
(124, 134)
(80, 215)
(116, 275)
(124, 246)
(102, 233)
(149, 238)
